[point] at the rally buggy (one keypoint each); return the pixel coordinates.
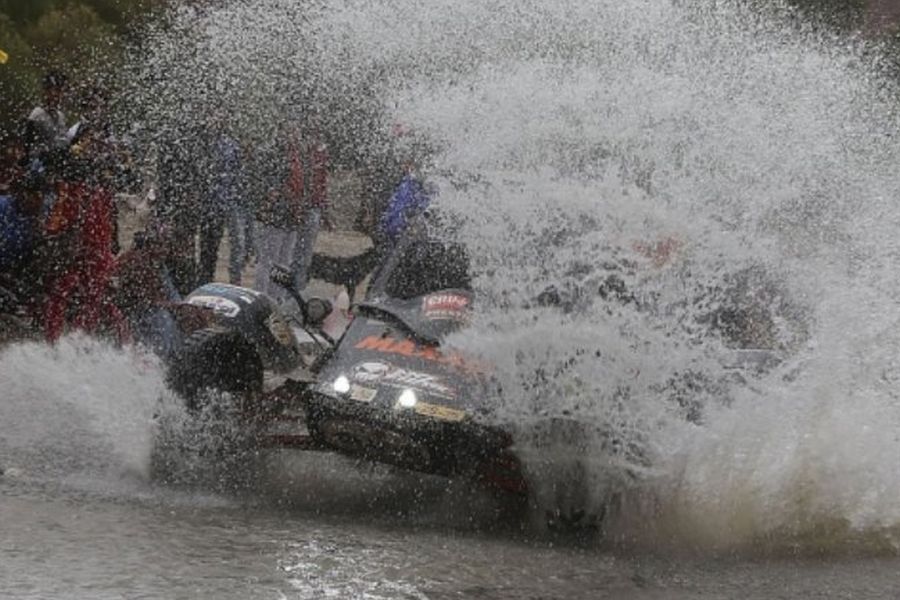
(382, 388)
(386, 387)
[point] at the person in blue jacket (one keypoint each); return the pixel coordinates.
(20, 212)
(409, 199)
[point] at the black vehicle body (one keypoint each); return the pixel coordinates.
(383, 389)
(391, 393)
(258, 319)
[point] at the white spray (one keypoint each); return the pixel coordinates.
(681, 142)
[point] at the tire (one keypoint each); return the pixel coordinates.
(217, 373)
(217, 360)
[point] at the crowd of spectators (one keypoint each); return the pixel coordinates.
(60, 255)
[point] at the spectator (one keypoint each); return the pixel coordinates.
(277, 213)
(309, 184)
(20, 210)
(146, 294)
(45, 130)
(409, 199)
(104, 165)
(181, 180)
(223, 203)
(244, 216)
(12, 155)
(79, 233)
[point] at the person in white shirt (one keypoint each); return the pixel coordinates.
(46, 124)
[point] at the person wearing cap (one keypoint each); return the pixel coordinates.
(80, 232)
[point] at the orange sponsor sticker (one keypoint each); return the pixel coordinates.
(409, 348)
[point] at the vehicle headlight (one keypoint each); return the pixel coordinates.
(341, 385)
(407, 399)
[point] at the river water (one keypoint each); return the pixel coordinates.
(80, 518)
(692, 148)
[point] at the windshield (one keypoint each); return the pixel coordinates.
(428, 317)
(428, 266)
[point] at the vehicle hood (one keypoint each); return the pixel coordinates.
(381, 358)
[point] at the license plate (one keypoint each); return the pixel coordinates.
(362, 394)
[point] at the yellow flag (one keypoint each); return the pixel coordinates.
(3, 57)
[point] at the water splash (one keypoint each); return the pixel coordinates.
(100, 420)
(696, 151)
(79, 406)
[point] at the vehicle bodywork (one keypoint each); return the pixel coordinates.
(384, 388)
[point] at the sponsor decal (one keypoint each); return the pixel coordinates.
(361, 393)
(446, 306)
(436, 411)
(385, 374)
(220, 306)
(405, 347)
(247, 296)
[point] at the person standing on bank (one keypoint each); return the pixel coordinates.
(278, 207)
(45, 130)
(308, 183)
(223, 203)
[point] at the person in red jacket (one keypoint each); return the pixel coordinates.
(79, 234)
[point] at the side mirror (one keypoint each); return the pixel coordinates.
(314, 310)
(317, 310)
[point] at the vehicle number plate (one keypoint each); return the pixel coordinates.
(362, 394)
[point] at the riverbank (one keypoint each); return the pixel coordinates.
(345, 195)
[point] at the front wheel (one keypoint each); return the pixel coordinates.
(219, 377)
(219, 361)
